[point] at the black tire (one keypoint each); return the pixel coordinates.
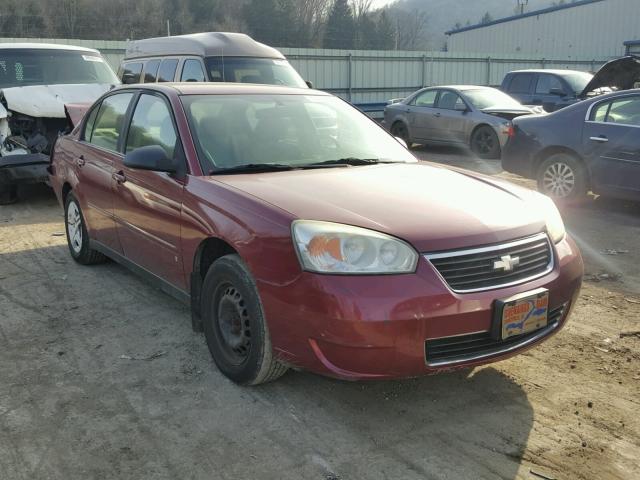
(563, 177)
(234, 324)
(400, 130)
(8, 194)
(485, 143)
(78, 244)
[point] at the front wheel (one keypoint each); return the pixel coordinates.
(234, 324)
(77, 235)
(485, 143)
(563, 178)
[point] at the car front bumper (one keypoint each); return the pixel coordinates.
(24, 168)
(376, 327)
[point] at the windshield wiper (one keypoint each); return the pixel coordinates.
(253, 167)
(349, 161)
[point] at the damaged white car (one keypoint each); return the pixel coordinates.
(36, 81)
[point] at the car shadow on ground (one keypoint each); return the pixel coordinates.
(107, 379)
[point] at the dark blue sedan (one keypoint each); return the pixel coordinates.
(592, 145)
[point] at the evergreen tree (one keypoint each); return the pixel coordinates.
(340, 30)
(486, 18)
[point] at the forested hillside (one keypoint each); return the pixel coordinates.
(404, 24)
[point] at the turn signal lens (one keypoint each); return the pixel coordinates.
(343, 249)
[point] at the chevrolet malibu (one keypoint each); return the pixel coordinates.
(304, 236)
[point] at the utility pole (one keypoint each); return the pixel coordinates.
(522, 4)
(168, 28)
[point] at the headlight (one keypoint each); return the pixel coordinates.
(555, 225)
(342, 249)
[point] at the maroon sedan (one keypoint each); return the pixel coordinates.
(305, 236)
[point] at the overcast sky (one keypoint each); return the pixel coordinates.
(380, 3)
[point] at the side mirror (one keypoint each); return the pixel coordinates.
(309, 84)
(129, 78)
(151, 157)
(402, 142)
(557, 91)
(460, 107)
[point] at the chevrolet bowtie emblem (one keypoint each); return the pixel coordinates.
(506, 263)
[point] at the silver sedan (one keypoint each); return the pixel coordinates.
(474, 116)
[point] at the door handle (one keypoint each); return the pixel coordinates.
(119, 177)
(436, 114)
(80, 161)
(602, 139)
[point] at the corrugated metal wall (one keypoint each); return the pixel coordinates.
(364, 76)
(592, 30)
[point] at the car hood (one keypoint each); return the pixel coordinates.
(620, 74)
(432, 207)
(48, 101)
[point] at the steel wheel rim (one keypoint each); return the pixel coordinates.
(74, 227)
(233, 324)
(559, 179)
(484, 142)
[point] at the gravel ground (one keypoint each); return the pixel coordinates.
(102, 377)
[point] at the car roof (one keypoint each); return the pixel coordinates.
(45, 46)
(206, 44)
(547, 70)
(461, 88)
(224, 88)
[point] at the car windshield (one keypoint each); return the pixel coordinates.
(577, 80)
(271, 71)
(24, 67)
(490, 97)
(285, 130)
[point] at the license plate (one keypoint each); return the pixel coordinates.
(524, 313)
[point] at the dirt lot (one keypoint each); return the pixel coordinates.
(102, 377)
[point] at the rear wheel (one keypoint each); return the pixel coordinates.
(77, 235)
(485, 142)
(234, 324)
(563, 177)
(400, 130)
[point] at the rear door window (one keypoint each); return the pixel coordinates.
(132, 73)
(167, 70)
(109, 121)
(192, 71)
(425, 99)
(624, 111)
(88, 125)
(521, 83)
(151, 71)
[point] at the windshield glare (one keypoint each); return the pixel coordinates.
(269, 71)
(21, 67)
(578, 80)
(487, 98)
(234, 130)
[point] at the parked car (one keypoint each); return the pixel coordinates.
(555, 89)
(206, 57)
(470, 115)
(331, 250)
(36, 81)
(592, 145)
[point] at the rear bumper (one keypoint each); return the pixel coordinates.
(375, 327)
(518, 157)
(25, 168)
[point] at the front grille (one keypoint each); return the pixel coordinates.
(474, 269)
(451, 350)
